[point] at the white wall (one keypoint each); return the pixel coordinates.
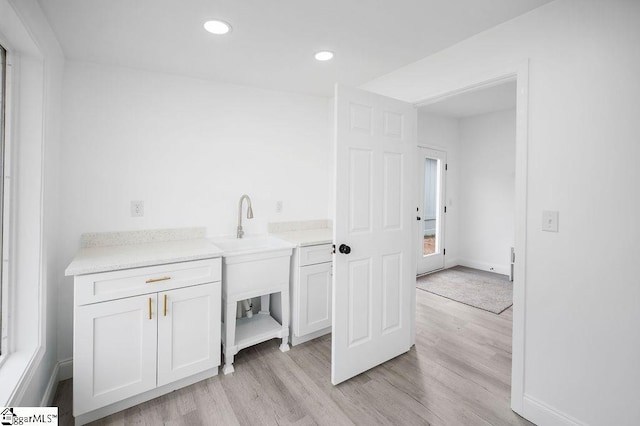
(582, 343)
(487, 190)
(443, 133)
(189, 149)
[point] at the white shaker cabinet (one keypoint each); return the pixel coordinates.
(314, 299)
(311, 292)
(142, 332)
(115, 356)
(188, 331)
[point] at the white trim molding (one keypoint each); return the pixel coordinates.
(484, 266)
(65, 369)
(52, 386)
(543, 414)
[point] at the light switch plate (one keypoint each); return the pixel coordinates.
(550, 221)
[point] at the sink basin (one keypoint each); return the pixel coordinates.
(233, 247)
(254, 266)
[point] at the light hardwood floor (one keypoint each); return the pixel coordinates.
(458, 373)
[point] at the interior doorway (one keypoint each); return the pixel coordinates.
(517, 78)
(477, 131)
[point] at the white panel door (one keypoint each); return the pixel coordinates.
(188, 331)
(115, 351)
(431, 209)
(315, 298)
(373, 231)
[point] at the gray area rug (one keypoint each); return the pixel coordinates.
(480, 289)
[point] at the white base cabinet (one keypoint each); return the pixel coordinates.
(115, 357)
(311, 289)
(135, 348)
(188, 332)
(314, 298)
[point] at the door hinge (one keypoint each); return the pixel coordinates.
(334, 249)
(446, 167)
(444, 252)
(445, 209)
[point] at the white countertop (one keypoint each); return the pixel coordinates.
(112, 258)
(307, 237)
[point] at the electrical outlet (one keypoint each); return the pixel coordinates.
(550, 221)
(279, 206)
(137, 208)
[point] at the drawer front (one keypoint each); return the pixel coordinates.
(312, 255)
(104, 286)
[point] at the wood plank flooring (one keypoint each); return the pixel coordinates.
(458, 373)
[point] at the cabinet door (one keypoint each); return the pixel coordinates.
(188, 331)
(114, 351)
(315, 298)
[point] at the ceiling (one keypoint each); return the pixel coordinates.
(476, 102)
(272, 42)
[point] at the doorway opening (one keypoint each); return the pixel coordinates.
(477, 130)
(482, 178)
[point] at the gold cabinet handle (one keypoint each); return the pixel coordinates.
(165, 305)
(155, 280)
(150, 308)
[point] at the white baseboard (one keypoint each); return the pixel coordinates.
(542, 414)
(450, 263)
(65, 370)
(483, 266)
(295, 340)
(52, 385)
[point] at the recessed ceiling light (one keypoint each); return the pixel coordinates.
(217, 27)
(324, 55)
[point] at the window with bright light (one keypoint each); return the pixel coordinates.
(3, 296)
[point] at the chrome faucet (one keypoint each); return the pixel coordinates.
(249, 213)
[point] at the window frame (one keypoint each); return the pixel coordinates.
(34, 78)
(6, 306)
